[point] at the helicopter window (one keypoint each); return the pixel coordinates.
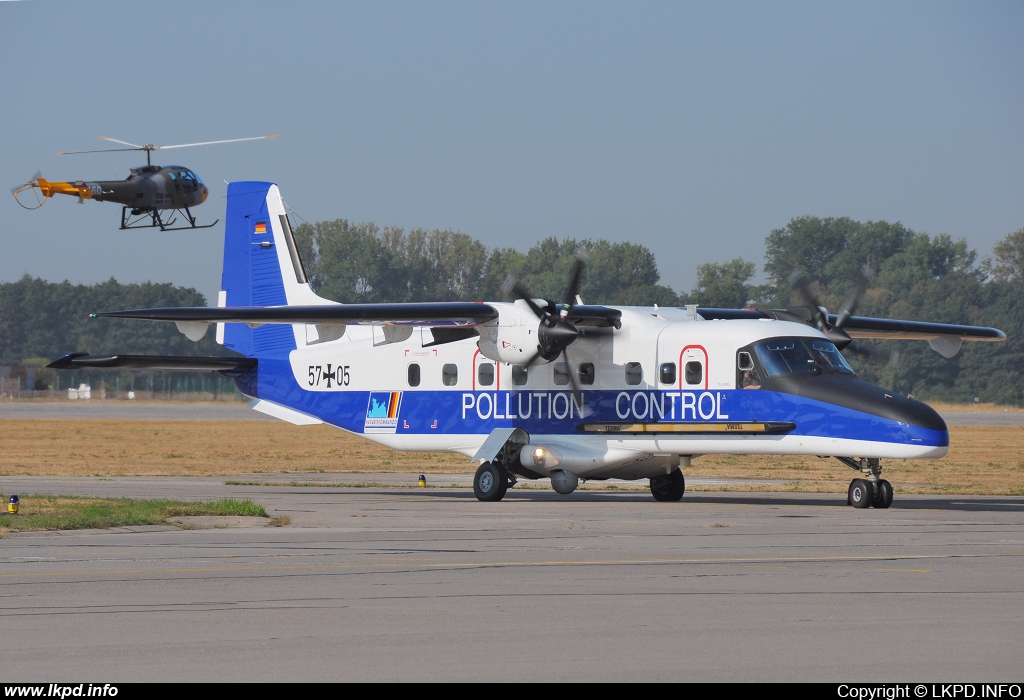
(485, 374)
(188, 181)
(634, 373)
(693, 372)
(667, 373)
(586, 372)
(414, 374)
(450, 374)
(519, 375)
(561, 373)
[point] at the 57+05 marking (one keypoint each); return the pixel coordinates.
(326, 376)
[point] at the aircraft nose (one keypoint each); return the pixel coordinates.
(921, 414)
(206, 193)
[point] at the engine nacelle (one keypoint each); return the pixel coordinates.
(513, 337)
(539, 458)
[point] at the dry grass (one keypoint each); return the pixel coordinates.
(982, 460)
(74, 447)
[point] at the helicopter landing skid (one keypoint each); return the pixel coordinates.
(151, 218)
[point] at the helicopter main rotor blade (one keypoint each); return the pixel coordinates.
(102, 150)
(134, 145)
(210, 143)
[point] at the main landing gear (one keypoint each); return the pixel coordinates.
(669, 487)
(872, 491)
(491, 481)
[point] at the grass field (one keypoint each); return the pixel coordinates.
(982, 460)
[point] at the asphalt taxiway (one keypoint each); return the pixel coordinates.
(401, 583)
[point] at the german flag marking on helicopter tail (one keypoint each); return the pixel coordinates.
(688, 428)
(261, 228)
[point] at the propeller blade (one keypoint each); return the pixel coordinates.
(514, 287)
(577, 393)
(800, 285)
(850, 303)
(573, 291)
(874, 355)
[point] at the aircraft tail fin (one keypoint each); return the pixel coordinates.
(261, 268)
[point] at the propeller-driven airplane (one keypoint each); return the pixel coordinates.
(537, 389)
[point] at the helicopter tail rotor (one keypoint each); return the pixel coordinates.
(33, 193)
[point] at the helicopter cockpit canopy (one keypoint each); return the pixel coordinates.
(185, 180)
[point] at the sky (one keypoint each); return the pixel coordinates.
(693, 128)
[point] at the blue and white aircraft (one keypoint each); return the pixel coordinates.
(542, 390)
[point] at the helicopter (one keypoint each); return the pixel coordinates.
(144, 194)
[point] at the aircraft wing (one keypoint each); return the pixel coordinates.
(81, 360)
(865, 327)
(894, 329)
(944, 338)
(450, 313)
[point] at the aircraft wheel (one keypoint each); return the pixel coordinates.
(860, 493)
(670, 487)
(490, 483)
(883, 497)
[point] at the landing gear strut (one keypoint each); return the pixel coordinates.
(871, 491)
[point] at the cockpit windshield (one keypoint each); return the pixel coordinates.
(190, 182)
(794, 355)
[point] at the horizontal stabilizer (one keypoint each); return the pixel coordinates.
(283, 413)
(81, 360)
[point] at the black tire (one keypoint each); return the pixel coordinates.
(861, 494)
(490, 483)
(883, 494)
(670, 487)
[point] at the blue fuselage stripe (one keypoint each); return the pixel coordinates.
(554, 411)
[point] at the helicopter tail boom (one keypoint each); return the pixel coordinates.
(78, 189)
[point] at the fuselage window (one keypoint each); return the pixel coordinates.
(561, 373)
(485, 374)
(693, 373)
(586, 373)
(519, 375)
(667, 373)
(414, 374)
(450, 375)
(634, 373)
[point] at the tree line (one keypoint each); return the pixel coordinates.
(915, 276)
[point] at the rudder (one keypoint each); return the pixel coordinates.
(261, 268)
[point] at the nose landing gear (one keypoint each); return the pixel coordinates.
(872, 491)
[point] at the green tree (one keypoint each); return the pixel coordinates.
(725, 285)
(1009, 258)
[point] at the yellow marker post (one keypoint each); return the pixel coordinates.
(12, 505)
(423, 480)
